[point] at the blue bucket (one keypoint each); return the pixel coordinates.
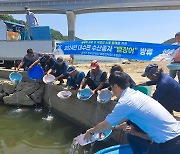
(36, 72)
(143, 89)
(84, 94)
(117, 149)
(15, 77)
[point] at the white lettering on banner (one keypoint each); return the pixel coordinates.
(104, 48)
(88, 47)
(169, 52)
(94, 47)
(123, 43)
(77, 47)
(109, 48)
(99, 48)
(84, 47)
(108, 42)
(146, 51)
(70, 47)
(100, 54)
(149, 52)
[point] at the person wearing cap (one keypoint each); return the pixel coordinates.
(96, 78)
(59, 70)
(28, 59)
(31, 20)
(160, 126)
(167, 91)
(75, 78)
(176, 58)
(46, 61)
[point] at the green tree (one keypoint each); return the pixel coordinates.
(56, 35)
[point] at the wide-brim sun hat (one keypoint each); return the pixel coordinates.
(15, 77)
(64, 94)
(104, 96)
(48, 79)
(36, 72)
(84, 94)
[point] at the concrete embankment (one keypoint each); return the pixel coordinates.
(85, 114)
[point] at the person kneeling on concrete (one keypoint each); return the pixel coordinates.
(28, 59)
(46, 61)
(96, 79)
(167, 91)
(75, 78)
(59, 70)
(158, 124)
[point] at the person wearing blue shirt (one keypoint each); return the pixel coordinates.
(46, 61)
(75, 78)
(59, 70)
(159, 125)
(167, 91)
(28, 59)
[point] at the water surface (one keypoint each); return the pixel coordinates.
(24, 131)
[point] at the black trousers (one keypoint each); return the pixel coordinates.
(92, 86)
(169, 147)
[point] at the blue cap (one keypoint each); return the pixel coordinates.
(71, 69)
(150, 70)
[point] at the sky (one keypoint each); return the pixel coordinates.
(139, 26)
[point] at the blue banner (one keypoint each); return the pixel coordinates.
(120, 49)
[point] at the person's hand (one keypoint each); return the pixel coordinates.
(30, 67)
(79, 89)
(16, 70)
(94, 92)
(88, 135)
(55, 78)
(130, 130)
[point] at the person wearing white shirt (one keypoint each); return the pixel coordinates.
(31, 20)
(158, 124)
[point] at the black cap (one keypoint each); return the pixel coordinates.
(26, 8)
(71, 69)
(59, 60)
(45, 58)
(29, 50)
(150, 70)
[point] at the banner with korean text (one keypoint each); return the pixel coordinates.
(119, 49)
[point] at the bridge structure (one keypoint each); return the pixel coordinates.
(74, 7)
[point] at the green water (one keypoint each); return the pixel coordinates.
(25, 132)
